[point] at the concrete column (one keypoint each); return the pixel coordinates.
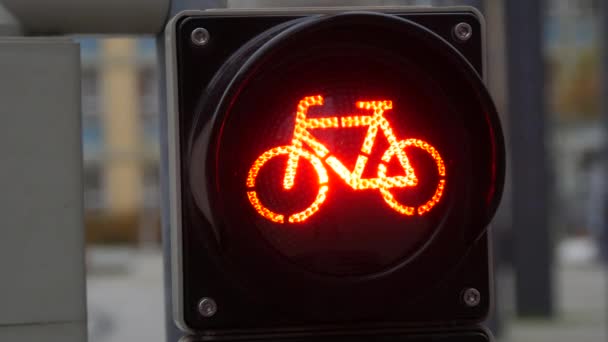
(42, 279)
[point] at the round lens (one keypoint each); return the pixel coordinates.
(340, 153)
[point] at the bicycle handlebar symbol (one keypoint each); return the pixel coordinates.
(320, 155)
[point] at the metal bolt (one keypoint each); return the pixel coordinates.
(471, 297)
(200, 36)
(463, 31)
(207, 307)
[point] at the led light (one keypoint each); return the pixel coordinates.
(300, 134)
(388, 196)
(433, 201)
(322, 123)
(375, 123)
(289, 150)
(355, 121)
(274, 217)
(314, 207)
(375, 104)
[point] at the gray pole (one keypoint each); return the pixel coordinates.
(531, 183)
(479, 4)
(44, 17)
(603, 38)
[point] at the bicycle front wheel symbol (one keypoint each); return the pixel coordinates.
(301, 154)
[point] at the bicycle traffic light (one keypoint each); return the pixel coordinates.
(330, 170)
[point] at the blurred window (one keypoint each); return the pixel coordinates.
(151, 191)
(92, 138)
(89, 47)
(146, 46)
(93, 188)
(148, 89)
(90, 91)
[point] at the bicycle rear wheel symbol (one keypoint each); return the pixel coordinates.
(319, 157)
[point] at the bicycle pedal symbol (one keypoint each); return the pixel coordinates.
(319, 155)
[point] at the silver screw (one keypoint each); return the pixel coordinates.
(463, 31)
(200, 36)
(207, 307)
(471, 297)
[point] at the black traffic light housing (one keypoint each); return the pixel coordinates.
(221, 251)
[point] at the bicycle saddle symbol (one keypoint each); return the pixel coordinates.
(319, 155)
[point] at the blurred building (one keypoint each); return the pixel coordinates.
(121, 139)
(577, 133)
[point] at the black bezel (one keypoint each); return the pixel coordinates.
(201, 274)
(469, 334)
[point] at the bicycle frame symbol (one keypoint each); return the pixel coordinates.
(319, 154)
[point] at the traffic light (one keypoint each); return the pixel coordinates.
(331, 170)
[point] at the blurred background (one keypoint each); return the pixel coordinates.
(551, 281)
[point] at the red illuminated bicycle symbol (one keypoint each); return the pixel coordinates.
(319, 154)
